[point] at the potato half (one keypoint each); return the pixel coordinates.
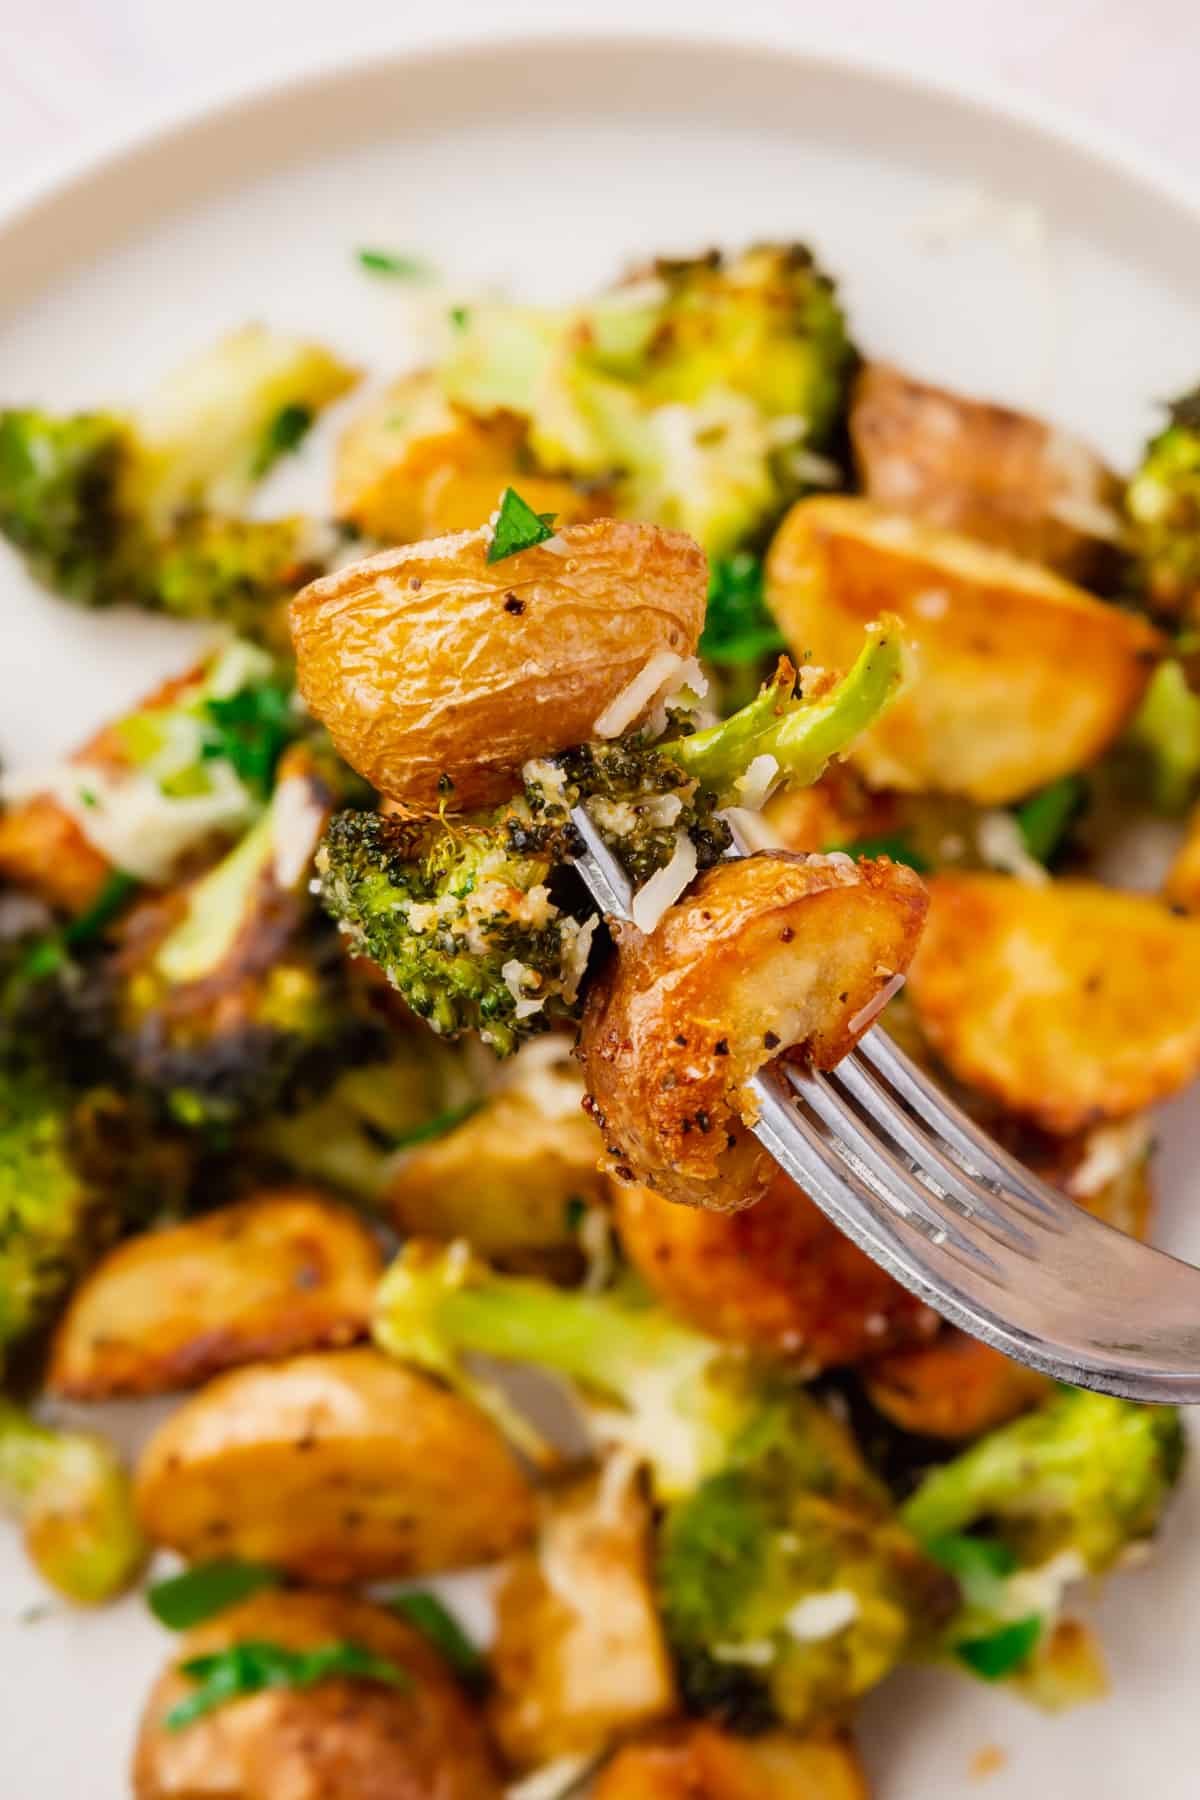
(1014, 676)
(777, 1277)
(429, 665)
(1069, 1003)
(340, 1466)
(993, 474)
(767, 954)
(700, 1762)
(282, 1272)
(954, 1388)
(342, 1739)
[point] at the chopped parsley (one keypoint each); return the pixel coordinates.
(394, 263)
(436, 1622)
(459, 317)
(1001, 1652)
(737, 626)
(182, 1601)
(250, 730)
(518, 527)
(1047, 816)
(286, 432)
(255, 1664)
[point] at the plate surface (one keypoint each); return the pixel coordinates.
(975, 245)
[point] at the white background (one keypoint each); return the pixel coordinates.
(75, 70)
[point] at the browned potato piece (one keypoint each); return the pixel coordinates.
(699, 1762)
(777, 1277)
(767, 954)
(278, 1273)
(579, 1656)
(1014, 676)
(342, 1739)
(1068, 1003)
(413, 466)
(337, 1467)
(430, 664)
(953, 1388)
(504, 1180)
(997, 475)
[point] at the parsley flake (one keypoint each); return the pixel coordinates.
(436, 1622)
(518, 527)
(395, 264)
(1001, 1652)
(738, 628)
(250, 730)
(184, 1600)
(286, 432)
(255, 1664)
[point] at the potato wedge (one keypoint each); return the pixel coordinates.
(342, 1739)
(1014, 676)
(504, 1180)
(700, 1762)
(429, 665)
(993, 474)
(777, 1277)
(280, 1272)
(340, 1466)
(411, 465)
(1069, 1003)
(768, 954)
(954, 1388)
(579, 1656)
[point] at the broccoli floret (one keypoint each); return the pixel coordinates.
(72, 1495)
(1165, 739)
(1163, 506)
(786, 1583)
(110, 509)
(702, 391)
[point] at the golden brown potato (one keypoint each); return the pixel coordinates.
(997, 475)
(699, 1762)
(1068, 1003)
(342, 1739)
(1014, 676)
(504, 1180)
(428, 662)
(764, 955)
(777, 1277)
(413, 466)
(281, 1272)
(579, 1656)
(953, 1388)
(340, 1466)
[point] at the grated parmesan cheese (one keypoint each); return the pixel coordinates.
(665, 885)
(663, 667)
(820, 1616)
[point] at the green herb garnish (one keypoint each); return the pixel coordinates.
(250, 730)
(50, 953)
(255, 1664)
(1045, 818)
(435, 1622)
(182, 1601)
(437, 1127)
(518, 527)
(459, 315)
(286, 432)
(394, 263)
(972, 1559)
(897, 847)
(737, 626)
(997, 1655)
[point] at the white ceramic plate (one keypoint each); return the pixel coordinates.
(976, 243)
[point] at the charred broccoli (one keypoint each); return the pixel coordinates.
(702, 391)
(73, 1497)
(1163, 507)
(786, 1583)
(110, 509)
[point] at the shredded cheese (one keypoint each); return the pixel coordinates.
(820, 1616)
(663, 667)
(665, 885)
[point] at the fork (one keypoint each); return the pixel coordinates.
(944, 1209)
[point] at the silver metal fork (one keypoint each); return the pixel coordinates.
(943, 1208)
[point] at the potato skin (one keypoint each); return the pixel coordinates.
(1015, 676)
(338, 1467)
(277, 1273)
(765, 954)
(427, 662)
(966, 465)
(699, 1762)
(954, 1388)
(1069, 1003)
(579, 1656)
(340, 1740)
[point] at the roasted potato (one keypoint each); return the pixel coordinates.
(953, 1388)
(431, 666)
(340, 1466)
(277, 1273)
(777, 1277)
(412, 466)
(699, 1762)
(769, 954)
(504, 1180)
(1068, 1003)
(579, 1656)
(993, 474)
(1014, 676)
(342, 1739)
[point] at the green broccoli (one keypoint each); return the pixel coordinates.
(72, 1495)
(109, 509)
(1162, 503)
(702, 391)
(786, 1583)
